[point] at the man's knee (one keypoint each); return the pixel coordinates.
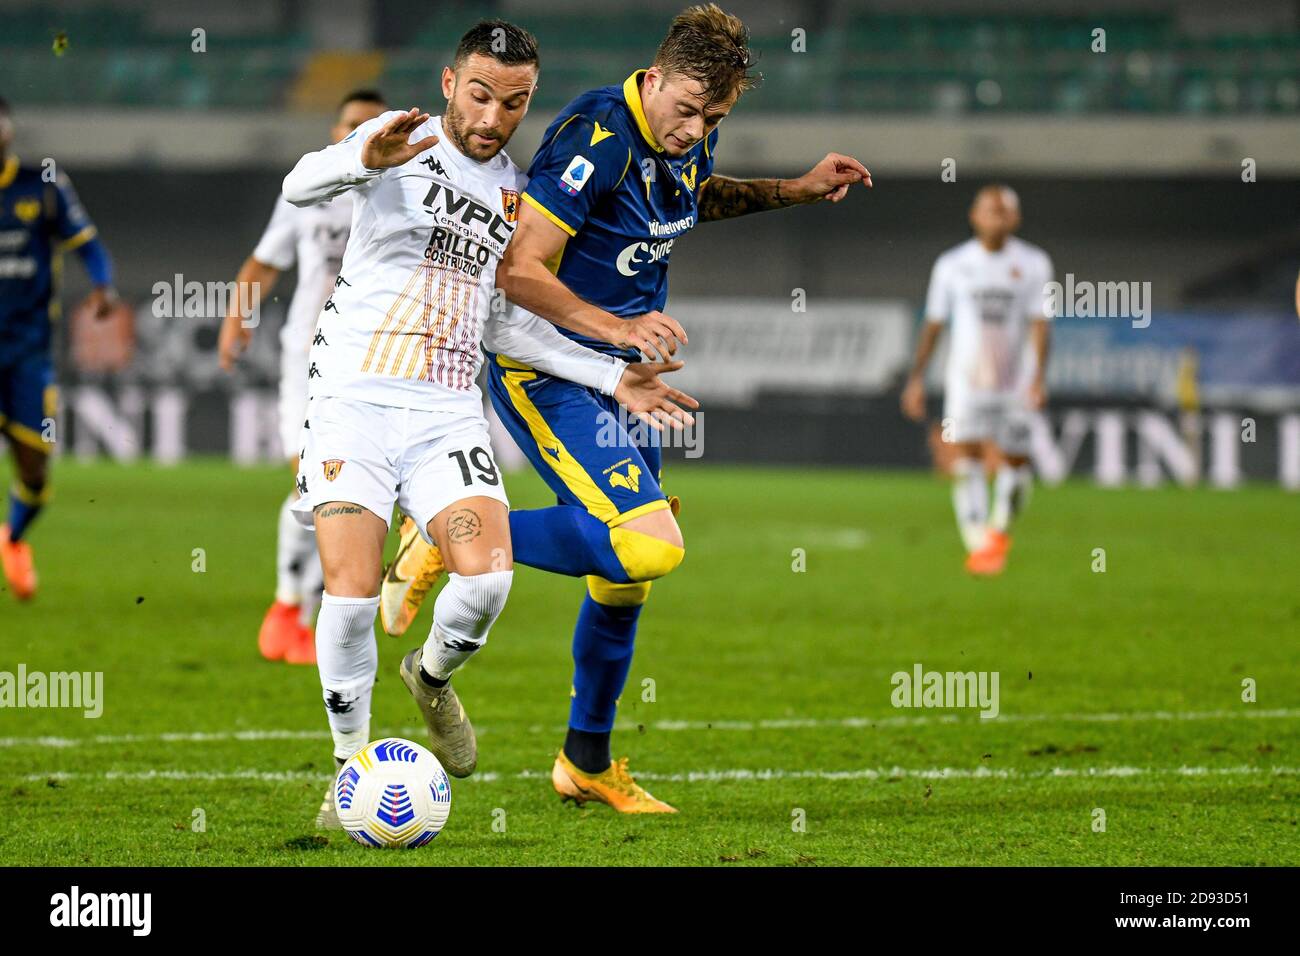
(348, 573)
(344, 580)
(650, 545)
(469, 605)
(32, 467)
(645, 557)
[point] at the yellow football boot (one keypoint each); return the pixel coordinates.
(408, 580)
(614, 786)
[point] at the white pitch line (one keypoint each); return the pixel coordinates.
(922, 720)
(709, 776)
(670, 726)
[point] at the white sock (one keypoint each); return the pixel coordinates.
(293, 545)
(311, 583)
(1011, 489)
(970, 501)
(348, 659)
(465, 611)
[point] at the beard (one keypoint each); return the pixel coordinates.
(457, 127)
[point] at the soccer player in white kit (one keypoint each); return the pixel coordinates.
(313, 238)
(394, 415)
(992, 290)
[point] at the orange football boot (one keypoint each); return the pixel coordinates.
(992, 558)
(614, 786)
(302, 647)
(279, 630)
(19, 568)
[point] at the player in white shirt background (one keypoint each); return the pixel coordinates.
(312, 238)
(394, 415)
(991, 290)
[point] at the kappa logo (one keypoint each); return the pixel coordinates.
(434, 165)
(631, 481)
(332, 468)
(576, 175)
(510, 204)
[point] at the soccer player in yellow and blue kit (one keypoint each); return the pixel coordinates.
(40, 217)
(622, 173)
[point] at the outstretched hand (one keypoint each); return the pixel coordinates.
(650, 399)
(388, 146)
(831, 178)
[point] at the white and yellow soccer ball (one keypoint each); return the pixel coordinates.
(392, 793)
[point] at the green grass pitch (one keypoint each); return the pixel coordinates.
(771, 725)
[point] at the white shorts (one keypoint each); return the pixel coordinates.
(380, 455)
(998, 417)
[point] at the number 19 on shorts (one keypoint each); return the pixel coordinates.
(478, 465)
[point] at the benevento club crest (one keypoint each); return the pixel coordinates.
(332, 468)
(510, 204)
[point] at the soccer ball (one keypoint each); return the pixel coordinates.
(392, 793)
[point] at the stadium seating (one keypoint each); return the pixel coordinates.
(870, 62)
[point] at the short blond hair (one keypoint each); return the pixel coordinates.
(710, 46)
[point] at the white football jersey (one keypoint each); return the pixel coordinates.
(989, 299)
(418, 277)
(314, 238)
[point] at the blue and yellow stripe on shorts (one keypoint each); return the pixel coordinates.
(558, 425)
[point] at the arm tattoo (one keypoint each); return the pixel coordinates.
(725, 198)
(330, 510)
(463, 525)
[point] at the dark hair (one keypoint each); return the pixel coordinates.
(501, 40)
(4, 106)
(363, 96)
(711, 47)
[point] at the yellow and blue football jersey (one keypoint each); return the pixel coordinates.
(38, 220)
(600, 176)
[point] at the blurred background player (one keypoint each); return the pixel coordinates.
(40, 218)
(313, 238)
(623, 172)
(991, 289)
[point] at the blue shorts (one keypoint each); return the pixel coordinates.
(28, 399)
(580, 441)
